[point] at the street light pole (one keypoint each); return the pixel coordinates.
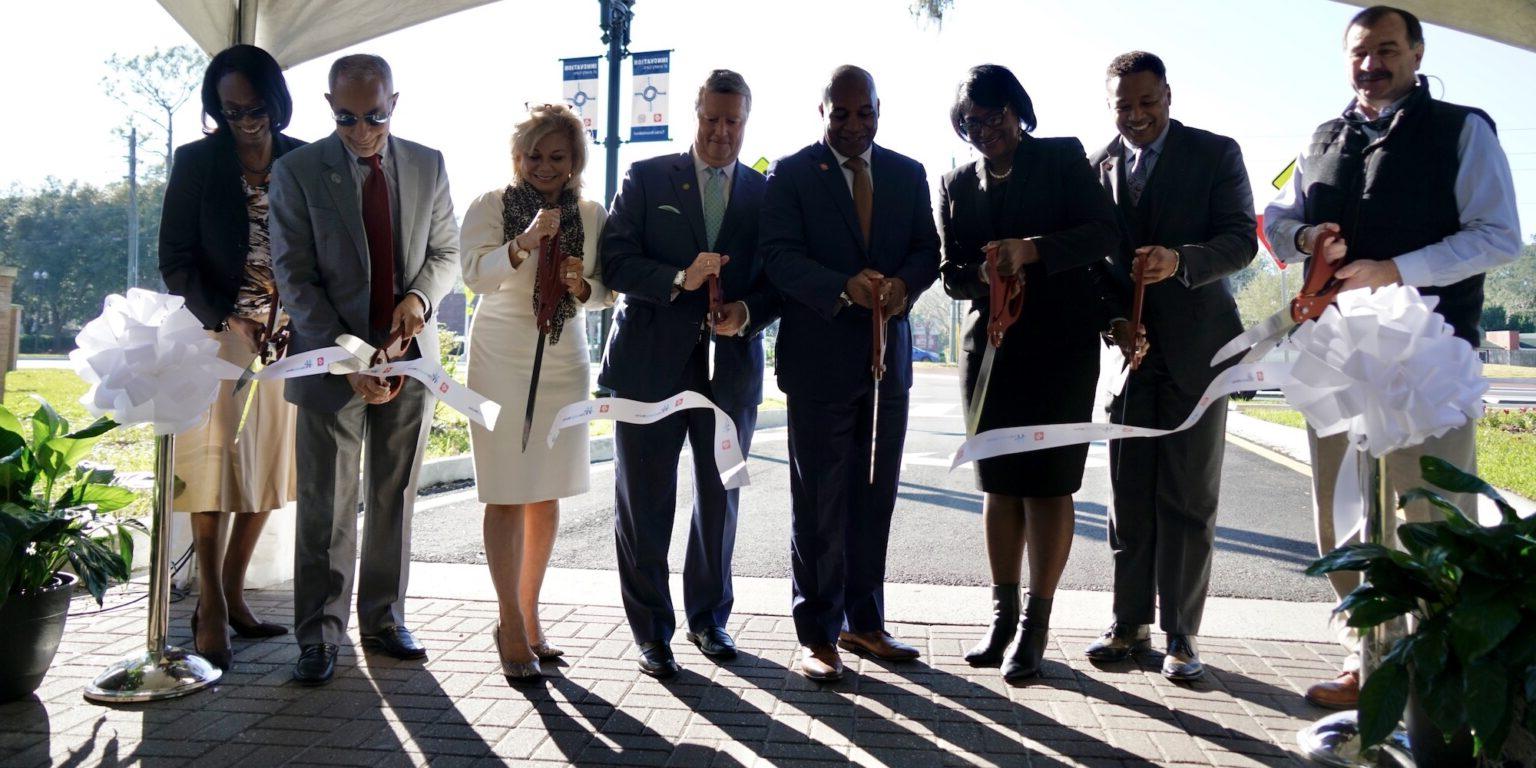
(617, 16)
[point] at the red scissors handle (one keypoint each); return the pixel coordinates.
(1006, 300)
(1320, 288)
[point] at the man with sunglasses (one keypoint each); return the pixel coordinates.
(363, 243)
(1186, 215)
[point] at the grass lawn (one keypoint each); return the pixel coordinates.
(1506, 443)
(1492, 371)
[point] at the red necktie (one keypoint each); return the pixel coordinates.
(381, 246)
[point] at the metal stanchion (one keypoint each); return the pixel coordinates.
(160, 671)
(1335, 739)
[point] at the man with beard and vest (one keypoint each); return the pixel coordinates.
(1420, 193)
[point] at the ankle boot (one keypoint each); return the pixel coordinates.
(1028, 648)
(1005, 618)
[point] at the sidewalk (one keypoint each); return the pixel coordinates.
(596, 708)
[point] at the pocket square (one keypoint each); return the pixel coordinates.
(669, 209)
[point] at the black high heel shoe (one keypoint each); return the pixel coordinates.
(261, 630)
(224, 660)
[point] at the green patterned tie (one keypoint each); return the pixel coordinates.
(714, 204)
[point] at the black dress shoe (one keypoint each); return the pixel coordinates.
(1120, 642)
(395, 641)
(656, 660)
(714, 642)
(316, 664)
(1182, 662)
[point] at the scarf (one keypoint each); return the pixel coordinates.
(520, 203)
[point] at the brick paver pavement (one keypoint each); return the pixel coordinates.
(596, 708)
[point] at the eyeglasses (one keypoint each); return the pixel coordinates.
(236, 115)
(348, 119)
(971, 126)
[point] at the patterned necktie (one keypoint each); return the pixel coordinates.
(714, 204)
(863, 193)
(1137, 179)
(381, 245)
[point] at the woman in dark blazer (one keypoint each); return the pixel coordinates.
(214, 253)
(1039, 203)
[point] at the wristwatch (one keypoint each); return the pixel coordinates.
(682, 277)
(844, 300)
(1297, 240)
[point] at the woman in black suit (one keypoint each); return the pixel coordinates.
(1039, 204)
(214, 253)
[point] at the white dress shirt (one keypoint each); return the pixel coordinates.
(1485, 200)
(869, 167)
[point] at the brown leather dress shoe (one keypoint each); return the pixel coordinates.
(820, 663)
(877, 644)
(1342, 692)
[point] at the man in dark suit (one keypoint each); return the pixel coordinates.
(836, 214)
(363, 243)
(677, 220)
(1186, 214)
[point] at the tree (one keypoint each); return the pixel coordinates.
(67, 241)
(1510, 294)
(932, 10)
(1261, 294)
(932, 315)
(155, 86)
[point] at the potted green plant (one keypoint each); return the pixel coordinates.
(54, 512)
(1468, 662)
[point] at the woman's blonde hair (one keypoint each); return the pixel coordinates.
(543, 120)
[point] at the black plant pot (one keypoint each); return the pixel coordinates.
(1429, 745)
(34, 622)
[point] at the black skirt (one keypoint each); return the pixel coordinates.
(1036, 379)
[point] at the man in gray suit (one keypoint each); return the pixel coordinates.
(1186, 213)
(364, 243)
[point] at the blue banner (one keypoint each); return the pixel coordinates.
(580, 88)
(649, 110)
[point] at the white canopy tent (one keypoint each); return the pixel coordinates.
(295, 31)
(1512, 22)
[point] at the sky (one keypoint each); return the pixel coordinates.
(1264, 72)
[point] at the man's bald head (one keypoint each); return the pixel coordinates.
(850, 110)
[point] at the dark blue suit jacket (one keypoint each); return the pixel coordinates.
(811, 245)
(655, 228)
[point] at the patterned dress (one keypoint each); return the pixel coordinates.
(241, 458)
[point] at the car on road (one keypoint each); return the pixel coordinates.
(924, 356)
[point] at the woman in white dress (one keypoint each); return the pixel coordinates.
(521, 488)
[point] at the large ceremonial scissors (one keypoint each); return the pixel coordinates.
(1319, 290)
(549, 291)
(1006, 303)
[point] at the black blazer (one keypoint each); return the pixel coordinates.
(204, 230)
(1199, 202)
(1052, 195)
(811, 244)
(655, 227)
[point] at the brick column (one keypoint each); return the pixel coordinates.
(8, 324)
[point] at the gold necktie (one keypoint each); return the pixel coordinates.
(863, 193)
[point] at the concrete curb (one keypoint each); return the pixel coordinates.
(458, 469)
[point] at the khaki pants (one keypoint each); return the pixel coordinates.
(1459, 447)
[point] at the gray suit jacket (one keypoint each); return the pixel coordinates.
(320, 254)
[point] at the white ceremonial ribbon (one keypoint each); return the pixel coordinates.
(479, 408)
(296, 364)
(727, 446)
(1039, 437)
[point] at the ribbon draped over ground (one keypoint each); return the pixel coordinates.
(729, 460)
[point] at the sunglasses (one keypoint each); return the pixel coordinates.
(236, 115)
(971, 126)
(349, 119)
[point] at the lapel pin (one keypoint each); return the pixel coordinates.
(823, 166)
(686, 185)
(335, 178)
